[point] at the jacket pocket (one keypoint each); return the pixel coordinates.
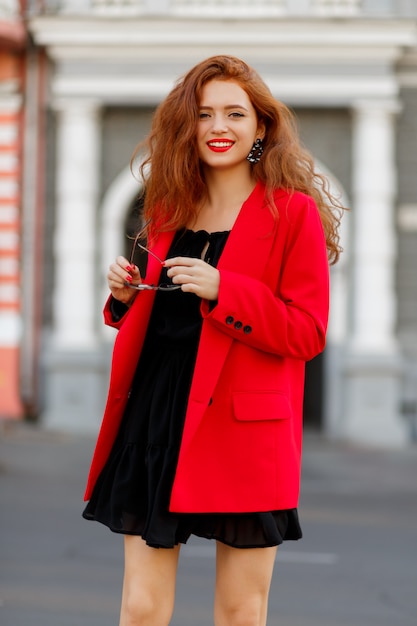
(261, 406)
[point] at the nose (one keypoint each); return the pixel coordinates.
(219, 124)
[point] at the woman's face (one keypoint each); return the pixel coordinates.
(227, 126)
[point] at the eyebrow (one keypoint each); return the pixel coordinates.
(228, 107)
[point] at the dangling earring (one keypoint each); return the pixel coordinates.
(255, 154)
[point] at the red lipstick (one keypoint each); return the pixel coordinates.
(220, 145)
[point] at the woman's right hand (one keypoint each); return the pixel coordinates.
(120, 273)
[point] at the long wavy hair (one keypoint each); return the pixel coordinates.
(174, 187)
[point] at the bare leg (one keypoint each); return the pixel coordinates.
(149, 584)
(243, 579)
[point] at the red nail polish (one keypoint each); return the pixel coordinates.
(128, 268)
(129, 278)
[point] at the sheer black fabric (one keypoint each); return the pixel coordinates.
(133, 491)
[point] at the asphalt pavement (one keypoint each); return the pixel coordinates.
(355, 566)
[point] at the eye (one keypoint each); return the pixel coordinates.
(203, 115)
(236, 114)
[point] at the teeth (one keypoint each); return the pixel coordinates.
(220, 144)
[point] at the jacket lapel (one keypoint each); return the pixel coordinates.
(249, 244)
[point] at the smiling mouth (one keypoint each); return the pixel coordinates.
(220, 146)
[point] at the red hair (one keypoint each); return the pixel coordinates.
(174, 185)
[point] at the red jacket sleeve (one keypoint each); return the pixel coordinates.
(291, 322)
(114, 312)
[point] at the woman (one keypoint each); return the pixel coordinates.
(202, 429)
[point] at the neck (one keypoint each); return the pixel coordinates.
(227, 188)
(227, 191)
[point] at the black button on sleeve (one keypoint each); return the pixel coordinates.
(230, 320)
(247, 330)
(238, 325)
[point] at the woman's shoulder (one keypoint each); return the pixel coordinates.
(292, 196)
(291, 203)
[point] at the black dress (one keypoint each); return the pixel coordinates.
(132, 493)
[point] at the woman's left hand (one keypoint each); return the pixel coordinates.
(194, 276)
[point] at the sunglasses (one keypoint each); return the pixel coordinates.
(144, 286)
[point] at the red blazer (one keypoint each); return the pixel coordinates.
(241, 445)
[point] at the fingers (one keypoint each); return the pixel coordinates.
(187, 261)
(185, 270)
(188, 265)
(194, 276)
(122, 272)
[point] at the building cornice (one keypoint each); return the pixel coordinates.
(326, 62)
(312, 33)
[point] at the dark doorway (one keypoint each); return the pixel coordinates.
(313, 394)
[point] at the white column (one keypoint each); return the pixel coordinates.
(77, 185)
(373, 363)
(374, 238)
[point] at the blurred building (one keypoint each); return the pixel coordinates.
(348, 68)
(12, 80)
